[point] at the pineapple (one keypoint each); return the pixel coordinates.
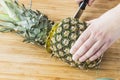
(62, 37)
(36, 28)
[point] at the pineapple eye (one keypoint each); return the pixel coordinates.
(81, 27)
(59, 46)
(53, 40)
(69, 58)
(59, 30)
(51, 47)
(73, 36)
(73, 28)
(91, 65)
(66, 33)
(61, 53)
(58, 38)
(54, 48)
(67, 50)
(66, 26)
(65, 42)
(72, 64)
(55, 54)
(73, 22)
(66, 20)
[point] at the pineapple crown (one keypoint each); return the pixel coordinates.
(34, 26)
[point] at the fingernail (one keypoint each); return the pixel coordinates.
(71, 50)
(74, 57)
(91, 59)
(81, 60)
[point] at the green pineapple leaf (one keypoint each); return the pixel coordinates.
(34, 26)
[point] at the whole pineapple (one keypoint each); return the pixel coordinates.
(61, 39)
(36, 28)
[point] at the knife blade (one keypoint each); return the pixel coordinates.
(81, 8)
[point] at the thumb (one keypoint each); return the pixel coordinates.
(91, 21)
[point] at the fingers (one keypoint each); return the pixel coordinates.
(78, 1)
(90, 2)
(100, 52)
(91, 51)
(84, 48)
(84, 36)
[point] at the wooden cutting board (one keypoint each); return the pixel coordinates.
(22, 61)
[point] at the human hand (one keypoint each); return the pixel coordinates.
(89, 3)
(98, 37)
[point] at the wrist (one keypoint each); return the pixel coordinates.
(116, 11)
(118, 7)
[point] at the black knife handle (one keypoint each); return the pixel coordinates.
(83, 4)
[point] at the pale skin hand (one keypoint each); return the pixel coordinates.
(98, 37)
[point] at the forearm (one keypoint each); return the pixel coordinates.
(117, 12)
(117, 8)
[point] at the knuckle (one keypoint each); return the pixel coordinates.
(94, 33)
(94, 48)
(102, 49)
(86, 47)
(82, 39)
(75, 48)
(109, 40)
(99, 35)
(87, 56)
(78, 54)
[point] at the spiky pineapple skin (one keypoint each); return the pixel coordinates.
(62, 37)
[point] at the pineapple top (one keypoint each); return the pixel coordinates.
(34, 26)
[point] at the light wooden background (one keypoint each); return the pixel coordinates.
(22, 61)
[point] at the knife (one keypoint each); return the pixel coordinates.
(81, 8)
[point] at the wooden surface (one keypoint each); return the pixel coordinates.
(22, 61)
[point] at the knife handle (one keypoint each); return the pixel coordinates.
(83, 4)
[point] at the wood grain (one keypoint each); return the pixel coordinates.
(22, 61)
